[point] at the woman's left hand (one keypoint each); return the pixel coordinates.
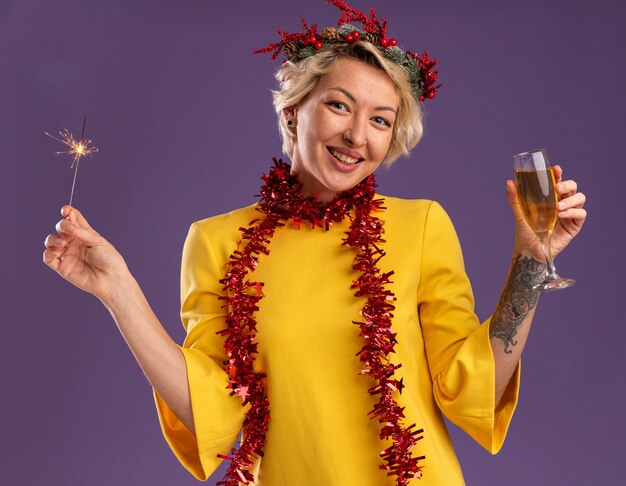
(571, 217)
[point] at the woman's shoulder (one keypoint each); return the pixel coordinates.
(401, 209)
(416, 220)
(229, 221)
(402, 203)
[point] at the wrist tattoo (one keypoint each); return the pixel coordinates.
(517, 300)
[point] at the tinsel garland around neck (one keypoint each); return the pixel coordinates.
(281, 201)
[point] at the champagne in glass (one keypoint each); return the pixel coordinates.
(537, 197)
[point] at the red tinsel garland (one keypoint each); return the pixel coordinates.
(281, 199)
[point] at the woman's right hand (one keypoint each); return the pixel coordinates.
(84, 258)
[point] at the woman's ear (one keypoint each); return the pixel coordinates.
(290, 113)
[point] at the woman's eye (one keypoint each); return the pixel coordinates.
(338, 105)
(379, 120)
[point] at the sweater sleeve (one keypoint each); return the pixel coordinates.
(458, 348)
(218, 417)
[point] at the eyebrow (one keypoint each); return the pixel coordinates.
(353, 99)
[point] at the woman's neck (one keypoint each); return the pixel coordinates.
(312, 187)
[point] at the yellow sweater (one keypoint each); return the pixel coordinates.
(320, 434)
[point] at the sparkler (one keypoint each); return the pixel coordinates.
(78, 149)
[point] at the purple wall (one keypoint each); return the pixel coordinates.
(182, 115)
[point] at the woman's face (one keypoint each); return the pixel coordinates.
(343, 128)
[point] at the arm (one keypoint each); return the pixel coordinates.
(198, 416)
(513, 316)
(470, 364)
(457, 346)
(217, 417)
(510, 323)
(157, 354)
(84, 258)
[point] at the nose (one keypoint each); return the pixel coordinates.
(356, 132)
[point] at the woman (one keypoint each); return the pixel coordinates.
(279, 297)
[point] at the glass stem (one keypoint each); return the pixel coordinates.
(551, 275)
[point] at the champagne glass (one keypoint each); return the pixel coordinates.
(537, 197)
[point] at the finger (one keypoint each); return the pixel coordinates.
(76, 226)
(71, 231)
(76, 217)
(565, 188)
(65, 229)
(510, 187)
(511, 194)
(577, 214)
(558, 172)
(577, 200)
(52, 241)
(52, 259)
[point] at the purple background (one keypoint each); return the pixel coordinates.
(182, 114)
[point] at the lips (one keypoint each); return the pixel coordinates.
(344, 158)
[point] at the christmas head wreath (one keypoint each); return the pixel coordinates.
(301, 45)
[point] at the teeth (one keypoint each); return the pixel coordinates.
(343, 158)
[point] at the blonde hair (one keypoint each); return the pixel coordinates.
(297, 80)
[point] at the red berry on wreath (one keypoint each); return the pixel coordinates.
(312, 39)
(393, 42)
(318, 45)
(349, 38)
(384, 42)
(356, 35)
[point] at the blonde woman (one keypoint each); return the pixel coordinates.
(332, 325)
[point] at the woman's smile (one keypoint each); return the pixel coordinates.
(348, 159)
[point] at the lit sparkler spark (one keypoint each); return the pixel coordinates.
(78, 149)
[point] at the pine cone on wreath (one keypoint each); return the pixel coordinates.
(291, 51)
(330, 34)
(371, 37)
